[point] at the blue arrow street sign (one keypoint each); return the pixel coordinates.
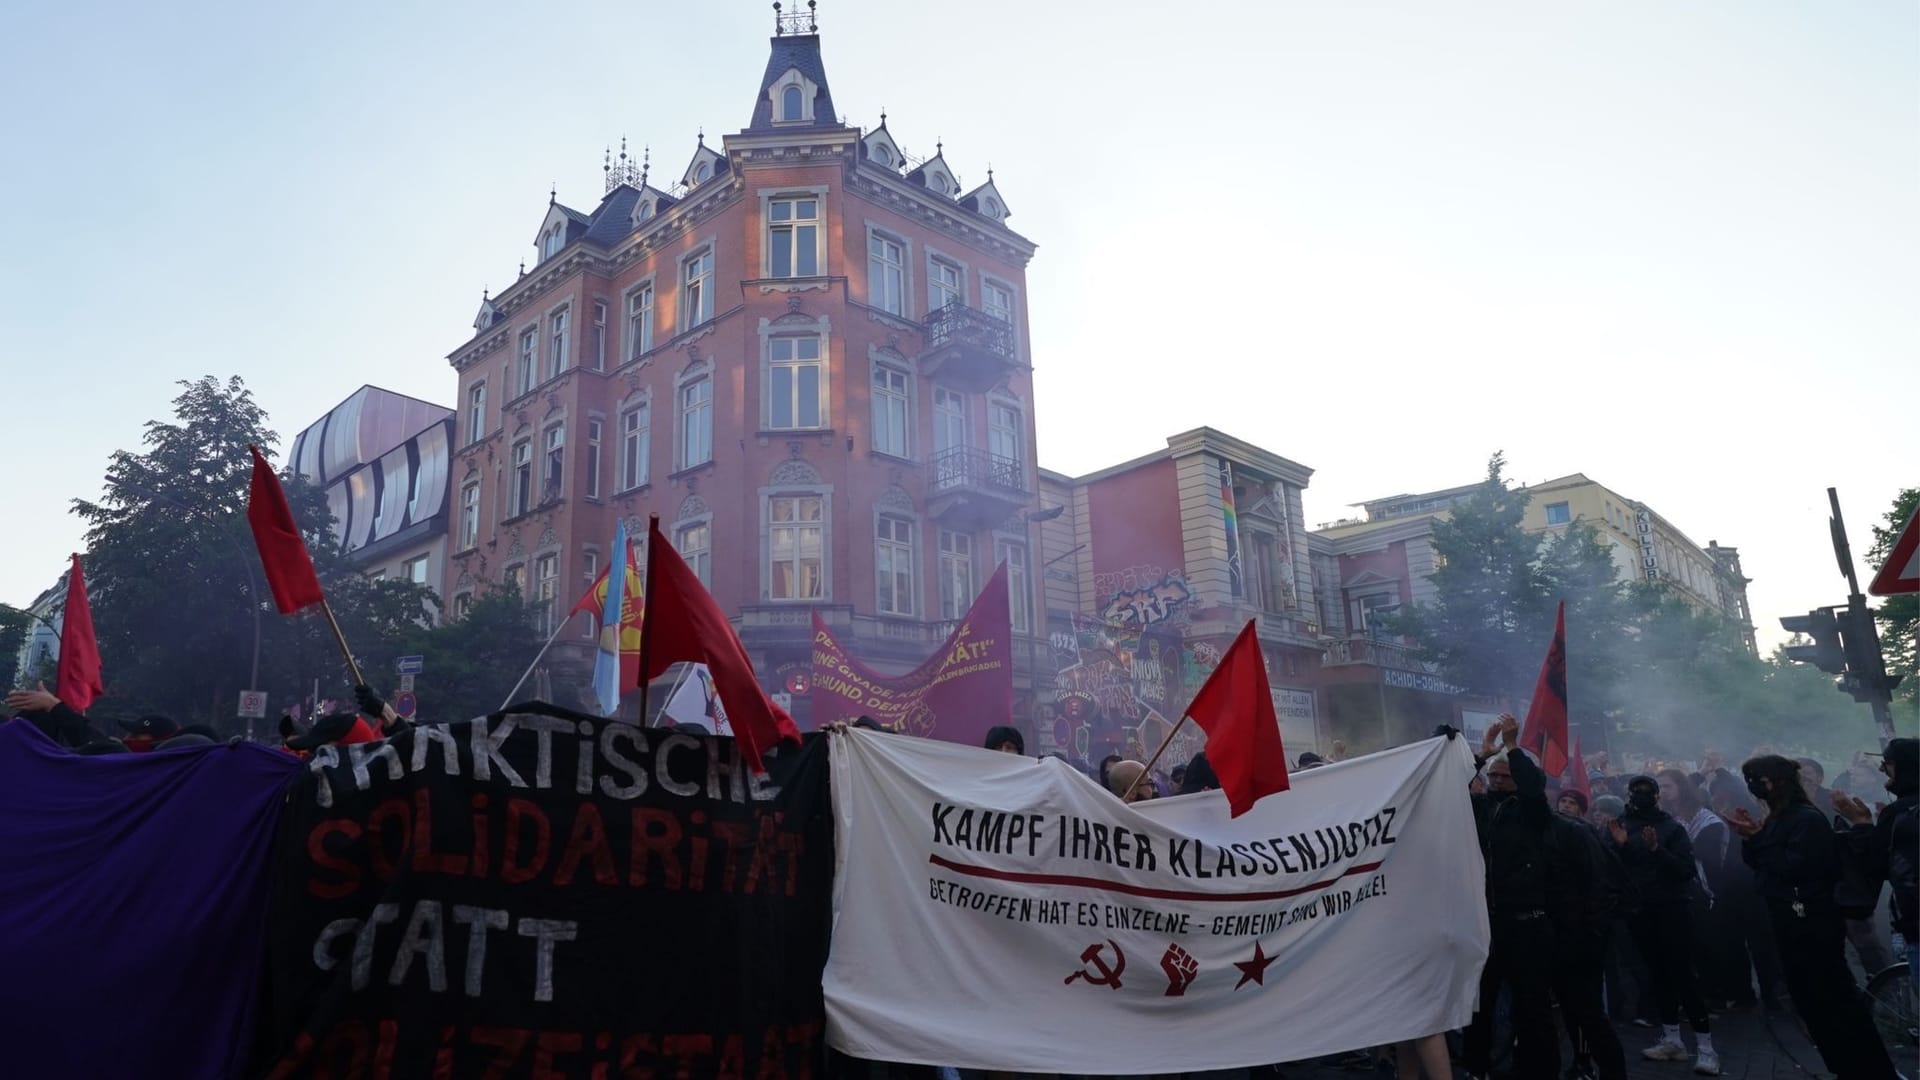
(412, 665)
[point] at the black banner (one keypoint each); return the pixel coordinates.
(546, 894)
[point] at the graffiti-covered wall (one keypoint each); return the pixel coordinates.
(1119, 687)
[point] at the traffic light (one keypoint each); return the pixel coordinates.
(1867, 679)
(1826, 653)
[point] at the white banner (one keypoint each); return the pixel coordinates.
(1002, 912)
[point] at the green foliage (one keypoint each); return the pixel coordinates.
(1647, 672)
(1899, 615)
(175, 580)
(1483, 631)
(471, 663)
(15, 627)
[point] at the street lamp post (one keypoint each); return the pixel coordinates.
(253, 588)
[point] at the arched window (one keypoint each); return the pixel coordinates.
(703, 172)
(790, 104)
(881, 155)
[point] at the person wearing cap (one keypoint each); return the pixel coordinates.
(148, 731)
(1572, 803)
(1890, 847)
(344, 728)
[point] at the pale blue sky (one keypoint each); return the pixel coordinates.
(1647, 241)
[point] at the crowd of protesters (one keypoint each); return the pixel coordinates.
(1647, 898)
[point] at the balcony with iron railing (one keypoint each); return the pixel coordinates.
(973, 489)
(1374, 652)
(967, 348)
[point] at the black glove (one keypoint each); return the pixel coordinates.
(1448, 730)
(286, 727)
(370, 704)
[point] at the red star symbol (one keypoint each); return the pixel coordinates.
(1253, 970)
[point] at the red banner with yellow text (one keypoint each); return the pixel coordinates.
(962, 690)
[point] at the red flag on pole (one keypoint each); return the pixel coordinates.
(282, 552)
(1545, 732)
(77, 679)
(1578, 781)
(683, 623)
(1235, 707)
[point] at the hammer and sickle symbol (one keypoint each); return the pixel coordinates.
(1108, 976)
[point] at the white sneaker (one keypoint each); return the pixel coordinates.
(1707, 1063)
(1665, 1050)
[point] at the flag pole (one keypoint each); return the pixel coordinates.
(1156, 756)
(340, 639)
(646, 597)
(551, 638)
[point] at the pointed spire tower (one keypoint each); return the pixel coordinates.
(793, 92)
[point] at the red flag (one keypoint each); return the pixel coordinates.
(77, 680)
(1235, 707)
(1578, 781)
(1545, 732)
(683, 623)
(282, 552)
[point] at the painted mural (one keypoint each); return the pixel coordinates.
(1119, 687)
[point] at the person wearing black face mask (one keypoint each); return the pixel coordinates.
(1659, 860)
(1890, 848)
(1795, 858)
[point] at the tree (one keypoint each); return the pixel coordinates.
(1484, 629)
(1899, 615)
(16, 627)
(175, 578)
(471, 663)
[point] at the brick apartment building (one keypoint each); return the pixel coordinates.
(807, 354)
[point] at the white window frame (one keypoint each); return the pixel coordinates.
(698, 559)
(692, 315)
(795, 364)
(469, 515)
(991, 285)
(934, 447)
(682, 428)
(777, 92)
(956, 571)
(529, 359)
(553, 463)
(546, 588)
(1018, 431)
(515, 577)
(1018, 557)
(600, 316)
(424, 562)
(937, 258)
(770, 200)
(903, 398)
(876, 272)
(634, 467)
(768, 526)
(520, 478)
(590, 564)
(883, 521)
(462, 604)
(590, 466)
(557, 331)
(476, 412)
(639, 322)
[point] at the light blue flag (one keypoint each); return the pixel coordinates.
(606, 663)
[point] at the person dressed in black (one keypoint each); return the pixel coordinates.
(1890, 847)
(1516, 837)
(1795, 858)
(1590, 891)
(1659, 860)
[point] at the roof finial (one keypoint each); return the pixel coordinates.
(623, 149)
(883, 116)
(486, 294)
(795, 23)
(553, 192)
(939, 146)
(606, 160)
(989, 172)
(523, 267)
(646, 160)
(701, 134)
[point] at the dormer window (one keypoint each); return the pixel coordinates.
(644, 211)
(556, 239)
(791, 98)
(703, 172)
(882, 155)
(993, 207)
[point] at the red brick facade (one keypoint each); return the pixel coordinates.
(793, 482)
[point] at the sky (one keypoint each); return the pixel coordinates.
(1674, 247)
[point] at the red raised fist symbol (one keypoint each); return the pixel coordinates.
(1181, 968)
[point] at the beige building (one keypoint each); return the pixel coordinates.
(1645, 546)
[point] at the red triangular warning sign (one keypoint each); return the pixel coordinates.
(1902, 572)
